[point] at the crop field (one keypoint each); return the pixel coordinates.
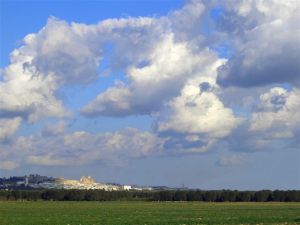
(150, 213)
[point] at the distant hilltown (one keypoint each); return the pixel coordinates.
(35, 181)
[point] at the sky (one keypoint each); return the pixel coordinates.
(204, 94)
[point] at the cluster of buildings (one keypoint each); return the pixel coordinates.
(85, 183)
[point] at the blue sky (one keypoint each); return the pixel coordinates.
(152, 93)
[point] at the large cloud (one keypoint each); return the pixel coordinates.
(196, 112)
(157, 58)
(48, 59)
(264, 36)
(197, 119)
(169, 66)
(25, 94)
(58, 50)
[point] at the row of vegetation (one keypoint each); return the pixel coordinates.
(164, 195)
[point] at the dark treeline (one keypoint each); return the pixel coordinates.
(163, 195)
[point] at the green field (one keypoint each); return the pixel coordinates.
(150, 213)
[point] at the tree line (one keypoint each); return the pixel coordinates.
(161, 195)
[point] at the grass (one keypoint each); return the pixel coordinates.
(150, 213)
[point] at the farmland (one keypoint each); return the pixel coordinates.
(150, 213)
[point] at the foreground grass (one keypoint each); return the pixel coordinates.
(150, 213)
